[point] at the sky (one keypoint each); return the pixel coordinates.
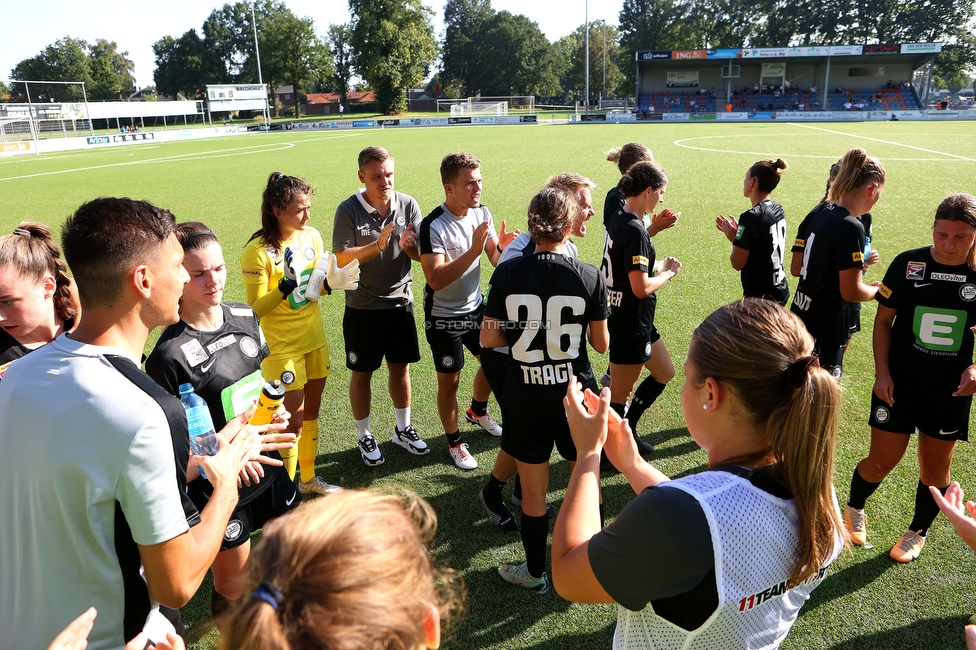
(135, 26)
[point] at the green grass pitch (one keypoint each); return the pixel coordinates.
(867, 601)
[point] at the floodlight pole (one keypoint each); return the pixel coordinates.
(586, 66)
(257, 52)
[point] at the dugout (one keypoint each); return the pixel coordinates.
(823, 78)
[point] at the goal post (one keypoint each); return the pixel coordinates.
(479, 108)
(18, 137)
(521, 103)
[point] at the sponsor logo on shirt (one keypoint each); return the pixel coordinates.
(915, 271)
(799, 243)
(639, 260)
(309, 253)
(194, 353)
(221, 343)
(858, 256)
(884, 291)
(738, 233)
(3, 368)
(758, 598)
(240, 311)
(250, 272)
(967, 292)
(948, 277)
(939, 330)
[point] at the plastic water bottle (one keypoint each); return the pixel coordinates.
(317, 278)
(203, 438)
(271, 397)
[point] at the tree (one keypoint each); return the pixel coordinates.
(186, 65)
(64, 60)
(574, 77)
(393, 47)
(111, 71)
(338, 38)
(291, 51)
(654, 25)
(521, 58)
(957, 62)
(465, 25)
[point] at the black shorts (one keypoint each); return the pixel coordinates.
(942, 417)
(495, 366)
(280, 497)
(529, 438)
(371, 334)
(831, 357)
(630, 350)
(449, 336)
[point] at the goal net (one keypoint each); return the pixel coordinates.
(479, 108)
(17, 136)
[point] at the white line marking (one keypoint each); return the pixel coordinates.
(897, 144)
(203, 155)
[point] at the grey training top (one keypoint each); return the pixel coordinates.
(384, 281)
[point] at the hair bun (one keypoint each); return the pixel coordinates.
(797, 371)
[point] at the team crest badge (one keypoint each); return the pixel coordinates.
(233, 530)
(647, 349)
(915, 271)
(881, 414)
(249, 347)
(447, 361)
(288, 378)
(309, 253)
(968, 292)
(401, 222)
(353, 357)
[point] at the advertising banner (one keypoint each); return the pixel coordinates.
(688, 79)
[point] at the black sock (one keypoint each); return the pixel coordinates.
(603, 516)
(454, 439)
(645, 395)
(926, 509)
(479, 408)
(535, 531)
(493, 488)
(860, 490)
(619, 408)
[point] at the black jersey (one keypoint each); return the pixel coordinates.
(931, 343)
(831, 241)
(626, 248)
(224, 368)
(762, 232)
(11, 349)
(546, 302)
(613, 202)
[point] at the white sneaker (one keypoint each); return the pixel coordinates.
(410, 440)
(371, 454)
(485, 421)
(462, 458)
(317, 486)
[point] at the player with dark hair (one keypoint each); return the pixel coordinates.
(94, 511)
(378, 226)
(277, 265)
(759, 236)
(828, 257)
(543, 306)
(633, 276)
(37, 299)
(452, 238)
(924, 371)
(217, 348)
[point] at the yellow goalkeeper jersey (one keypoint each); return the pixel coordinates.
(292, 326)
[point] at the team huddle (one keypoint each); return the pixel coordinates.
(129, 521)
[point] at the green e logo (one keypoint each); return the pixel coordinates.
(939, 329)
